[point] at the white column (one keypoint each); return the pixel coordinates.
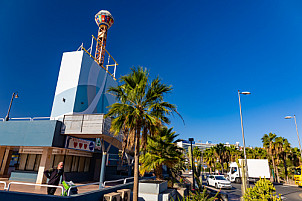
(6, 160)
(44, 165)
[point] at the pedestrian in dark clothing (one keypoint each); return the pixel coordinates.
(54, 176)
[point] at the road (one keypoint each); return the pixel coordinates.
(289, 193)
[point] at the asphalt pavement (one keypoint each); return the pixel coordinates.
(288, 192)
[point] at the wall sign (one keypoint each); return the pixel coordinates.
(98, 144)
(79, 144)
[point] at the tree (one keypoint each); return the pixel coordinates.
(139, 108)
(221, 154)
(294, 155)
(282, 150)
(268, 144)
(209, 157)
(260, 153)
(234, 153)
(197, 154)
(161, 150)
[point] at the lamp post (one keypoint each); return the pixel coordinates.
(15, 95)
(294, 117)
(242, 130)
(193, 169)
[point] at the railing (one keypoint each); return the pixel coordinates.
(125, 181)
(27, 118)
(40, 118)
(112, 181)
(3, 182)
(31, 184)
(21, 118)
(99, 63)
(7, 187)
(68, 191)
(97, 183)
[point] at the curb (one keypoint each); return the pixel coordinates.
(289, 185)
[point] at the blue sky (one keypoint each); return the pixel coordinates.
(206, 50)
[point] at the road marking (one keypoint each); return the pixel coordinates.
(285, 186)
(300, 195)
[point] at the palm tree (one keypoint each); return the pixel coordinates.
(209, 157)
(260, 153)
(282, 150)
(250, 153)
(161, 150)
(220, 151)
(268, 144)
(294, 155)
(197, 154)
(139, 108)
(234, 153)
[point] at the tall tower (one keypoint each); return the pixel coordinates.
(82, 83)
(104, 20)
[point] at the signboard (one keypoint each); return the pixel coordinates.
(186, 141)
(79, 144)
(98, 143)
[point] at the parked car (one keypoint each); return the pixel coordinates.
(219, 181)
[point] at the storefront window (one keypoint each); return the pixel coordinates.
(30, 162)
(22, 161)
(81, 164)
(37, 162)
(57, 160)
(67, 164)
(75, 164)
(87, 164)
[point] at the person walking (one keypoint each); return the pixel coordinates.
(54, 176)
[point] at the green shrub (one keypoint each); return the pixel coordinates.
(199, 196)
(263, 190)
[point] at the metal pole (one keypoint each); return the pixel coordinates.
(193, 171)
(103, 169)
(298, 136)
(10, 105)
(242, 130)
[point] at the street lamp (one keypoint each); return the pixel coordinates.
(294, 117)
(15, 95)
(193, 171)
(242, 130)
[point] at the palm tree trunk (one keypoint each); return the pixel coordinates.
(285, 170)
(277, 174)
(159, 172)
(136, 167)
(274, 167)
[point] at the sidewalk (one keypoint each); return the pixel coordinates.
(43, 190)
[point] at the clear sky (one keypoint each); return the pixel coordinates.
(206, 50)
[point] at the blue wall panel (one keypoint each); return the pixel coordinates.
(31, 133)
